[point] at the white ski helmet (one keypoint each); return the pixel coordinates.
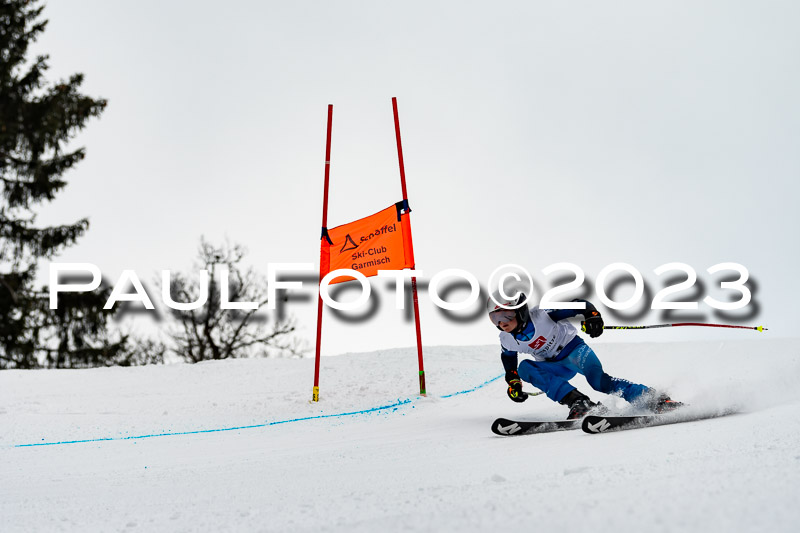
(499, 308)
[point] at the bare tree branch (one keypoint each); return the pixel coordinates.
(211, 332)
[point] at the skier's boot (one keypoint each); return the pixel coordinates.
(580, 405)
(660, 402)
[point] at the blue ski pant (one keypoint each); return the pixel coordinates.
(553, 377)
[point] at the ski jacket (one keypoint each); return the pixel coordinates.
(546, 337)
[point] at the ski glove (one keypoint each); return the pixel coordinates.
(592, 323)
(515, 387)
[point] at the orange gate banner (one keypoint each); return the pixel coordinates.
(378, 242)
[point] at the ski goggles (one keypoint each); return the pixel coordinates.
(502, 315)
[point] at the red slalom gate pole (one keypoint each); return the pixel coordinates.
(422, 390)
(315, 394)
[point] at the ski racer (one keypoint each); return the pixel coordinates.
(558, 354)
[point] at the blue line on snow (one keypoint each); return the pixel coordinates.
(473, 388)
(266, 424)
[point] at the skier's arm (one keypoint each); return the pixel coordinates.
(561, 314)
(592, 321)
(509, 360)
(514, 391)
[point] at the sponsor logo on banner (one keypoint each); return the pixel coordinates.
(369, 244)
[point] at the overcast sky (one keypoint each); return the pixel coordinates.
(534, 133)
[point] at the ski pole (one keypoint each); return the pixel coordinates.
(652, 326)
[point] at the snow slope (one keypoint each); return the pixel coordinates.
(236, 446)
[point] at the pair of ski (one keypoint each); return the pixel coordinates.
(590, 424)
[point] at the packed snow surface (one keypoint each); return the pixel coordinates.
(237, 446)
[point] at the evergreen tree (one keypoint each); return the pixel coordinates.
(37, 120)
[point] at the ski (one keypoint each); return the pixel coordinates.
(508, 428)
(603, 424)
